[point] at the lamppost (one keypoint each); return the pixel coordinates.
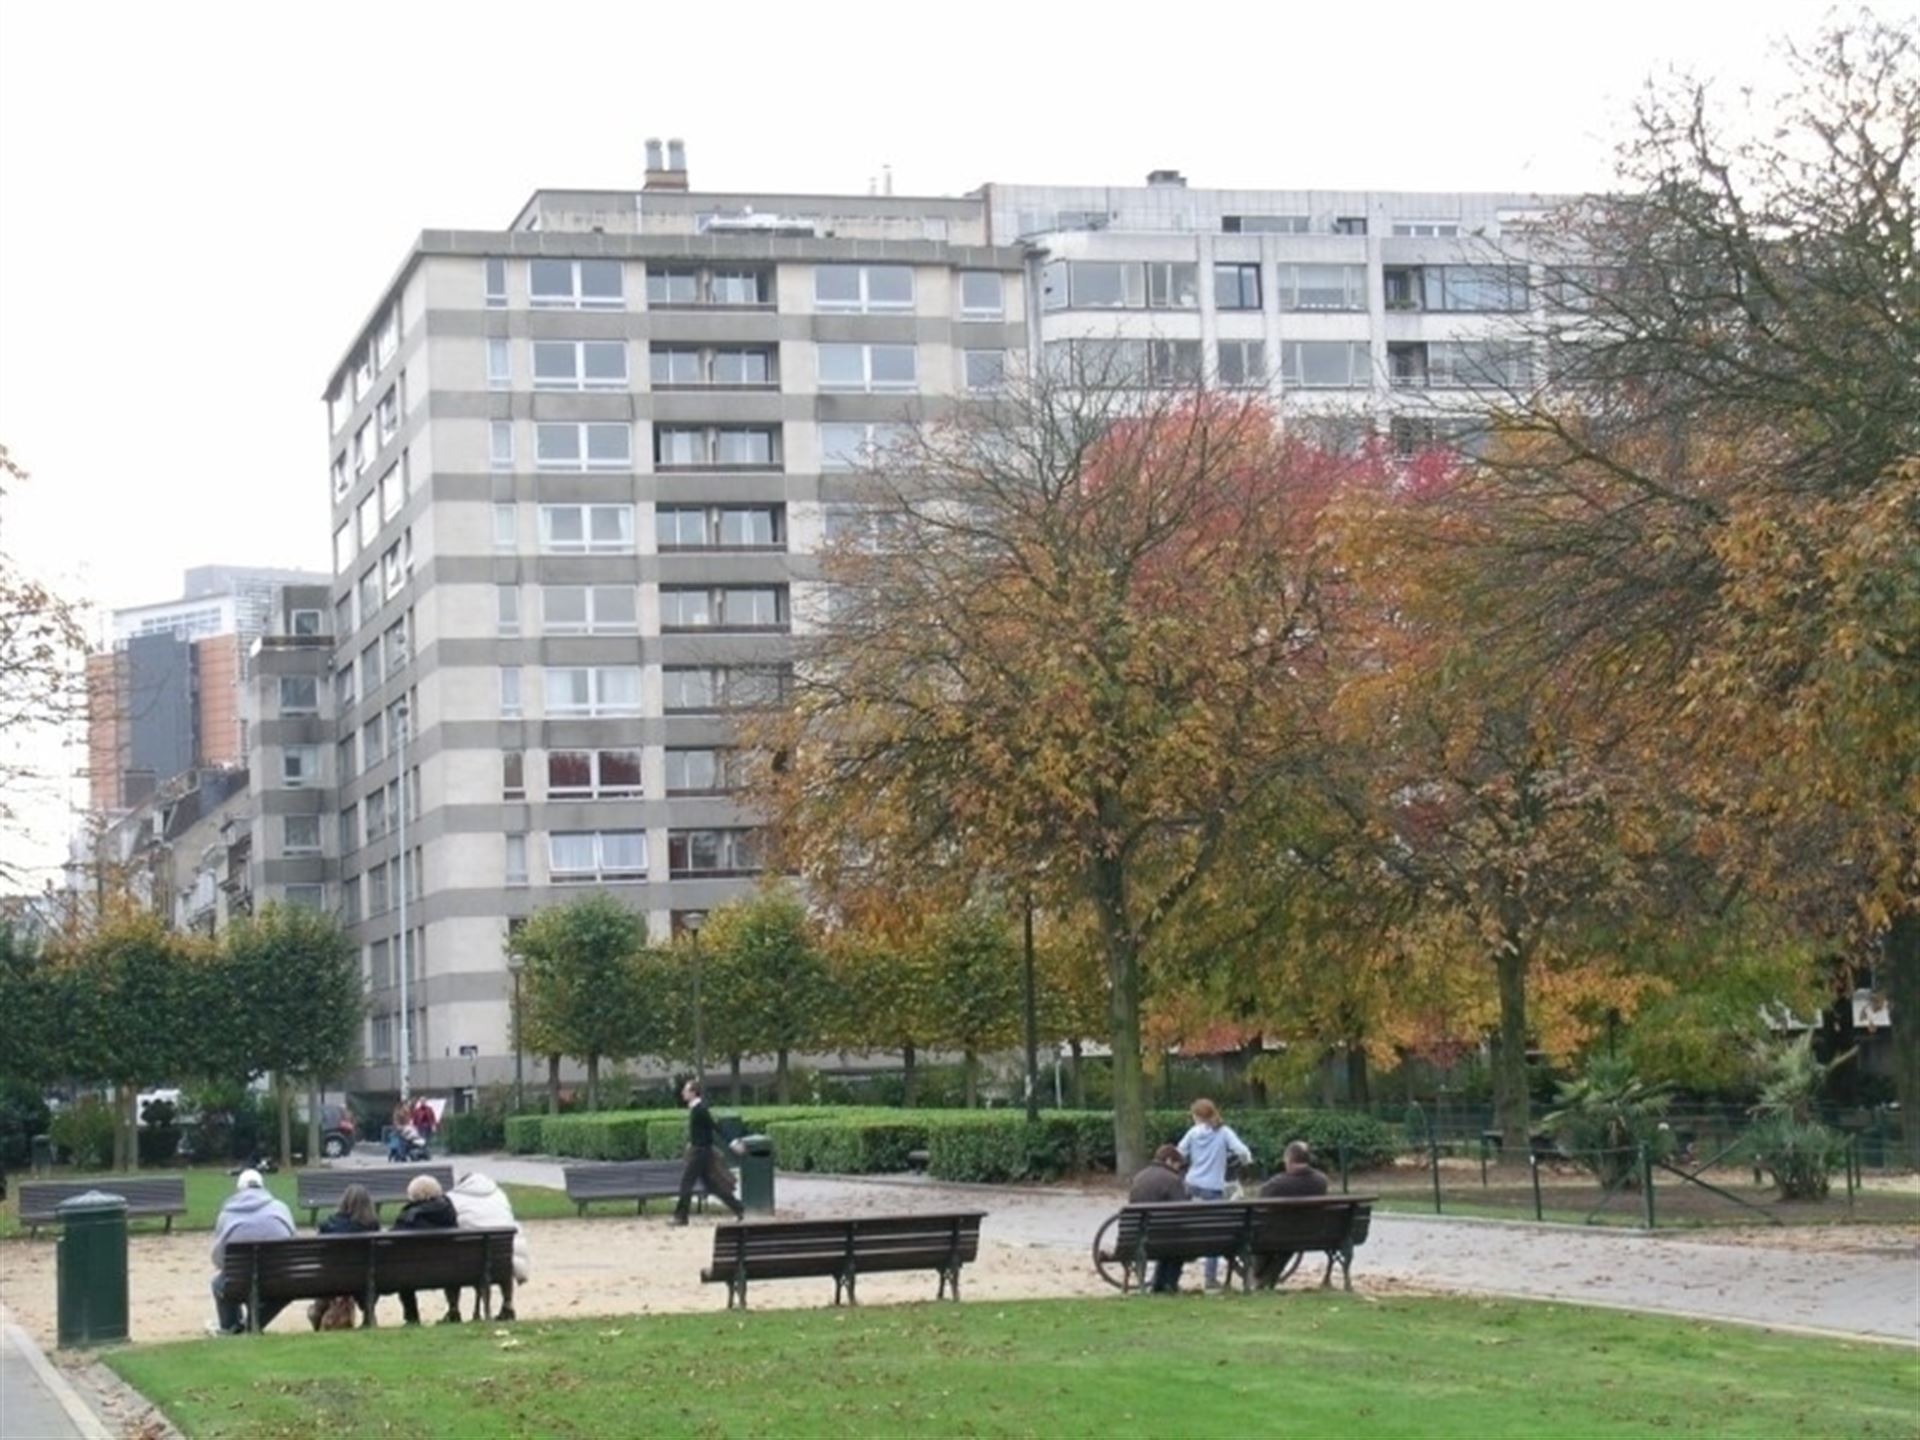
(692, 921)
(519, 1050)
(402, 721)
(1032, 1017)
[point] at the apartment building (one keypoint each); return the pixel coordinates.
(581, 468)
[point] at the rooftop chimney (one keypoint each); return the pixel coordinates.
(670, 173)
(1167, 177)
(677, 156)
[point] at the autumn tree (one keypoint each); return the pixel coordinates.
(882, 995)
(579, 980)
(290, 1001)
(772, 980)
(974, 969)
(1088, 638)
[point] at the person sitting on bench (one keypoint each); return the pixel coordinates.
(1161, 1184)
(250, 1213)
(427, 1208)
(1299, 1180)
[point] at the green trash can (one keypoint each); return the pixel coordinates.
(756, 1174)
(92, 1270)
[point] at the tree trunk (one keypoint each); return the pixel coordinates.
(593, 1082)
(126, 1132)
(1123, 974)
(909, 1083)
(1329, 1082)
(733, 1078)
(283, 1102)
(1358, 1093)
(1901, 982)
(1256, 1087)
(969, 1078)
(553, 1084)
(1079, 1068)
(780, 1077)
(313, 1123)
(1510, 1102)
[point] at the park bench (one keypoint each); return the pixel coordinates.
(843, 1250)
(1243, 1231)
(164, 1195)
(367, 1266)
(636, 1180)
(321, 1189)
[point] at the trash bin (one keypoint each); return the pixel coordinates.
(92, 1269)
(42, 1154)
(756, 1174)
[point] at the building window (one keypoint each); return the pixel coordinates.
(1350, 225)
(1327, 364)
(513, 775)
(499, 363)
(307, 897)
(506, 609)
(593, 690)
(593, 774)
(575, 284)
(299, 695)
(341, 483)
(574, 857)
(985, 369)
(1460, 365)
(1173, 285)
(500, 444)
(699, 689)
(863, 287)
(1109, 284)
(712, 852)
(723, 527)
(506, 528)
(516, 871)
(589, 610)
(727, 607)
(300, 767)
(1236, 287)
(714, 447)
(868, 367)
(369, 593)
(343, 688)
(1173, 363)
(510, 692)
(579, 365)
(672, 286)
(300, 835)
(373, 744)
(1264, 224)
(392, 494)
(720, 367)
(1323, 287)
(980, 295)
(853, 446)
(701, 771)
(595, 445)
(367, 518)
(1427, 229)
(586, 529)
(376, 808)
(363, 447)
(1243, 363)
(496, 283)
(387, 415)
(343, 551)
(349, 829)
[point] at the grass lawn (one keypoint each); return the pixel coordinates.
(1302, 1363)
(207, 1188)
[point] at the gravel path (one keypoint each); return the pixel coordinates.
(1844, 1288)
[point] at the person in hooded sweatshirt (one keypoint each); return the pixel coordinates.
(427, 1208)
(250, 1213)
(1205, 1148)
(483, 1205)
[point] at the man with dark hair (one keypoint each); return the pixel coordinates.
(703, 1157)
(1299, 1180)
(1161, 1183)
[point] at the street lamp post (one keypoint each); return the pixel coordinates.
(404, 721)
(693, 922)
(519, 1050)
(1032, 1017)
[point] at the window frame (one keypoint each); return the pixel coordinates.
(586, 545)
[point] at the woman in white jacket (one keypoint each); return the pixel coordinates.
(483, 1205)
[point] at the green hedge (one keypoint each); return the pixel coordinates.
(1003, 1145)
(846, 1147)
(1369, 1143)
(523, 1133)
(471, 1133)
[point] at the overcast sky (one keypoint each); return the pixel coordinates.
(199, 203)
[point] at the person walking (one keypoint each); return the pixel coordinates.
(424, 1120)
(1205, 1148)
(250, 1213)
(703, 1157)
(427, 1208)
(1161, 1184)
(483, 1205)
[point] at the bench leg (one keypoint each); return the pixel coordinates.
(169, 1227)
(949, 1284)
(1326, 1280)
(1346, 1266)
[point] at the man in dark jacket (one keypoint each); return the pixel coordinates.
(1161, 1184)
(703, 1157)
(1299, 1180)
(427, 1208)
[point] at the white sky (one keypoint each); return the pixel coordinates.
(200, 202)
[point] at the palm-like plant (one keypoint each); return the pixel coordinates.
(1606, 1115)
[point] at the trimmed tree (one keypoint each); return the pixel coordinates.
(579, 981)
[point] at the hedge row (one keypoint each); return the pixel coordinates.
(644, 1134)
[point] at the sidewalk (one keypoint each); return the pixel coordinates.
(35, 1402)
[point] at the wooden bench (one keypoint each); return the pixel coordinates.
(843, 1250)
(164, 1195)
(636, 1180)
(320, 1189)
(366, 1266)
(1245, 1232)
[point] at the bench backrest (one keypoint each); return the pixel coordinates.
(1183, 1231)
(771, 1249)
(321, 1189)
(310, 1266)
(40, 1200)
(621, 1179)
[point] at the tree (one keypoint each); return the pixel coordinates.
(579, 987)
(975, 972)
(41, 642)
(773, 980)
(1090, 640)
(1073, 990)
(882, 989)
(293, 1004)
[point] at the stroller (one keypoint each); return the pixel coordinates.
(404, 1145)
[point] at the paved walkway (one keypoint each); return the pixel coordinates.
(34, 1401)
(1853, 1292)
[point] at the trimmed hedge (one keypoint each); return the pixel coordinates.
(846, 1147)
(1369, 1143)
(523, 1133)
(471, 1132)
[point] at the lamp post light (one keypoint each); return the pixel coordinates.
(1032, 1016)
(519, 1050)
(404, 721)
(693, 921)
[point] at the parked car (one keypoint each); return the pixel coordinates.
(339, 1132)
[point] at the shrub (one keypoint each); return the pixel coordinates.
(846, 1147)
(1369, 1143)
(1799, 1154)
(23, 1115)
(523, 1134)
(472, 1132)
(158, 1140)
(984, 1149)
(607, 1135)
(84, 1133)
(1606, 1115)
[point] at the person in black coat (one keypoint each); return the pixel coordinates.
(1161, 1184)
(356, 1216)
(703, 1157)
(1299, 1180)
(427, 1208)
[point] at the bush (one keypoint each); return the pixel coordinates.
(608, 1135)
(471, 1133)
(522, 1133)
(84, 1133)
(230, 1122)
(1800, 1155)
(1369, 1143)
(845, 1147)
(1606, 1116)
(159, 1138)
(984, 1149)
(23, 1115)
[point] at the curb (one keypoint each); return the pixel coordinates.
(77, 1410)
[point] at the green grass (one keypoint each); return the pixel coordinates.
(208, 1188)
(1303, 1363)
